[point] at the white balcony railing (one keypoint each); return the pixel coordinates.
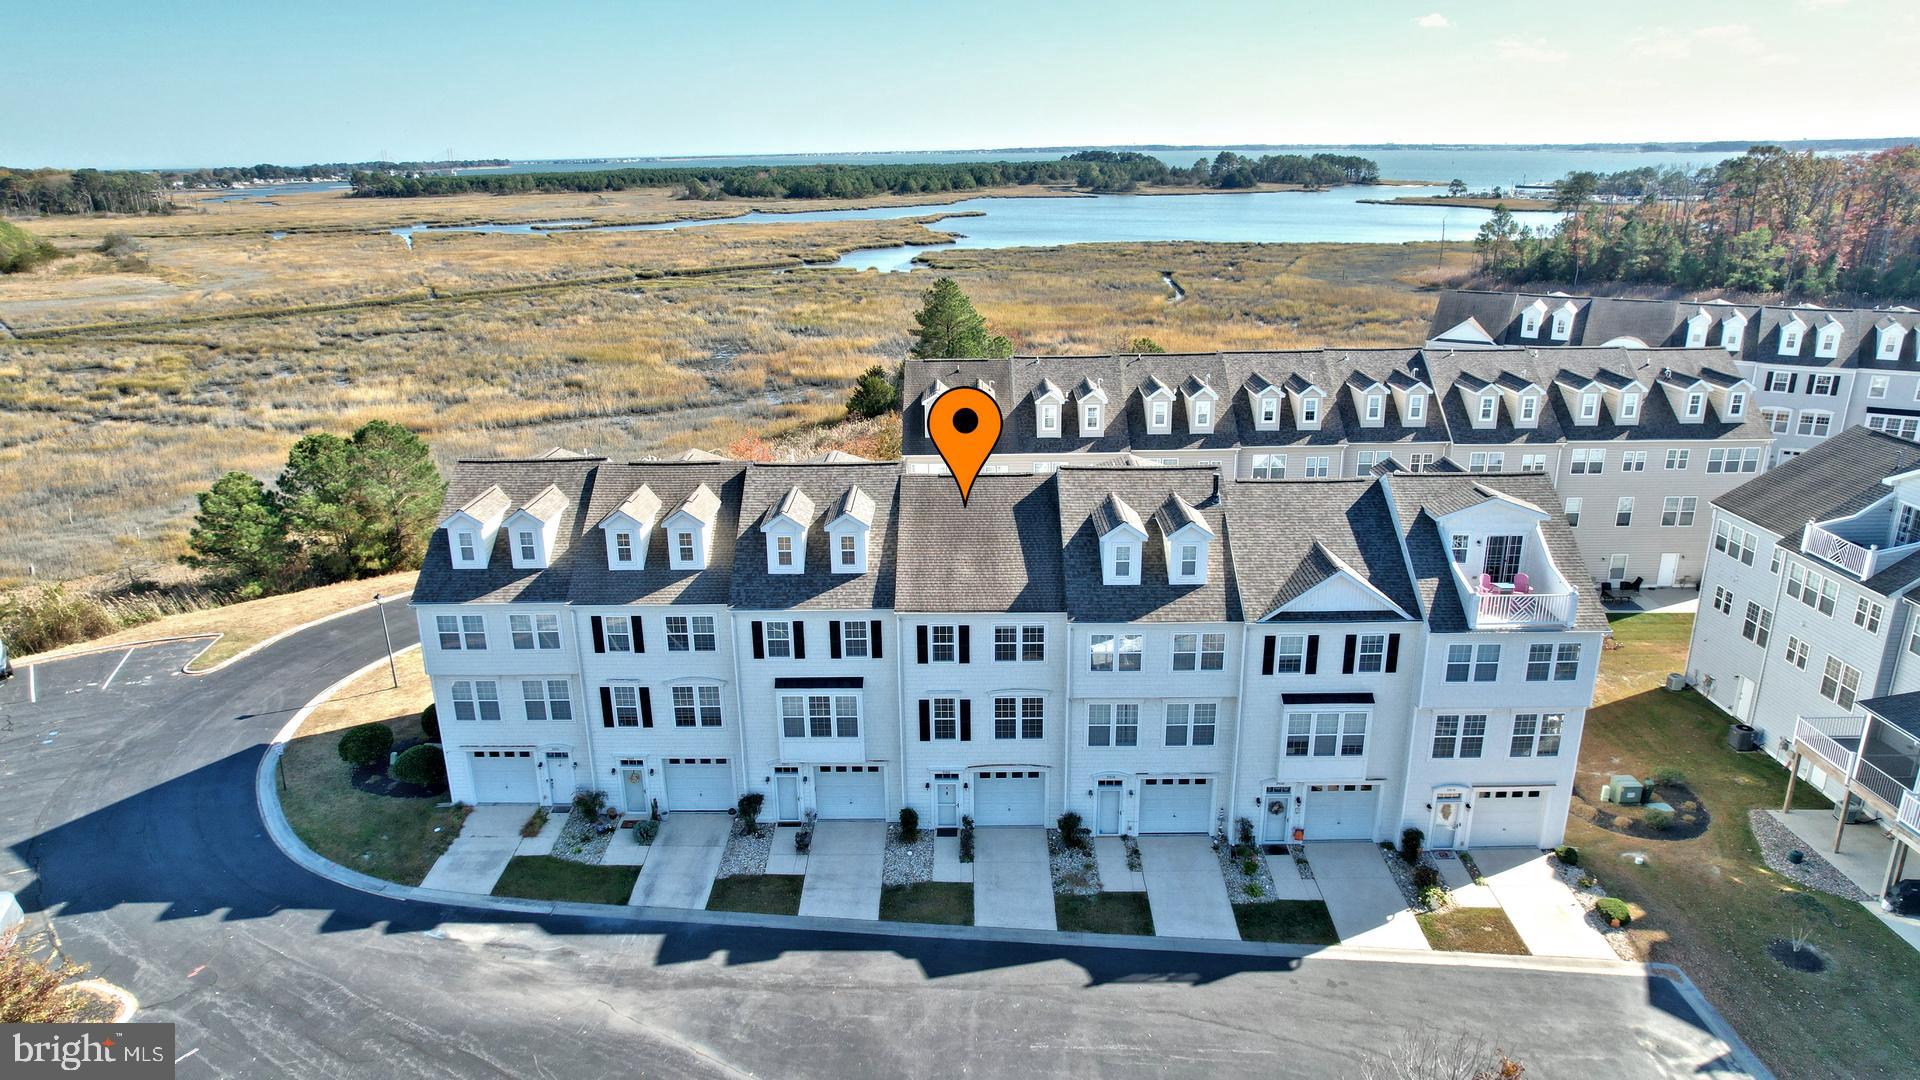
(1910, 812)
(1860, 560)
(1818, 735)
(1879, 782)
(1524, 609)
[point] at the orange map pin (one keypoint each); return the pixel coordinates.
(965, 424)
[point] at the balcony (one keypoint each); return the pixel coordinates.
(1833, 740)
(1910, 813)
(1537, 598)
(1862, 543)
(1873, 763)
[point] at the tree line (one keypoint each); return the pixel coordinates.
(81, 191)
(1089, 170)
(1801, 224)
(237, 174)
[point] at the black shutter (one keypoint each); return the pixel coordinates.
(922, 635)
(759, 640)
(599, 635)
(873, 639)
(833, 639)
(799, 640)
(606, 699)
(1313, 654)
(646, 707)
(966, 719)
(1393, 652)
(1346, 662)
(1793, 380)
(926, 720)
(963, 646)
(639, 634)
(1266, 657)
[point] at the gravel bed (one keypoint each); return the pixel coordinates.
(746, 855)
(907, 863)
(1074, 872)
(1132, 847)
(1814, 872)
(1300, 863)
(578, 842)
(1588, 892)
(1244, 888)
(1403, 877)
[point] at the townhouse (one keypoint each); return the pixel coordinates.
(1816, 371)
(1599, 423)
(1160, 649)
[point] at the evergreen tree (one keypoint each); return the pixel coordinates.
(948, 327)
(240, 532)
(317, 491)
(1497, 243)
(399, 491)
(874, 394)
(1141, 346)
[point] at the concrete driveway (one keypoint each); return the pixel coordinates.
(843, 870)
(1361, 895)
(1543, 910)
(477, 857)
(679, 870)
(1185, 889)
(1012, 882)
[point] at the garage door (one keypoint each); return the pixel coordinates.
(504, 776)
(1175, 804)
(1340, 811)
(849, 791)
(1009, 797)
(1506, 817)
(699, 784)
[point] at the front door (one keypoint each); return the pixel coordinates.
(559, 778)
(946, 804)
(1446, 822)
(1669, 569)
(786, 796)
(633, 787)
(1276, 816)
(1106, 808)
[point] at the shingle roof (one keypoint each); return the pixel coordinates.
(797, 489)
(1082, 490)
(1837, 477)
(519, 482)
(1900, 710)
(672, 483)
(1293, 534)
(1000, 551)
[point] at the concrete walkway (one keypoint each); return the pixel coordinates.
(946, 860)
(1287, 882)
(1461, 886)
(1110, 856)
(1013, 883)
(1541, 908)
(785, 857)
(479, 855)
(843, 870)
(1361, 895)
(542, 843)
(679, 870)
(1185, 888)
(1862, 858)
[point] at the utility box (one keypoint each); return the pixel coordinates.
(1625, 791)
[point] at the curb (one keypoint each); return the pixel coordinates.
(1737, 1048)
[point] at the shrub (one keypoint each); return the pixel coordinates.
(1433, 896)
(803, 840)
(1243, 831)
(366, 745)
(645, 831)
(422, 766)
(1070, 831)
(535, 822)
(1623, 823)
(873, 394)
(966, 838)
(36, 620)
(1667, 774)
(1411, 841)
(1568, 854)
(32, 992)
(750, 805)
(909, 825)
(1690, 806)
(1659, 820)
(589, 803)
(1250, 867)
(1254, 890)
(1613, 908)
(1425, 877)
(430, 723)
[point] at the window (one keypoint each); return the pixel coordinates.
(1446, 736)
(1812, 588)
(944, 644)
(1550, 729)
(1529, 408)
(622, 547)
(1310, 411)
(617, 633)
(1049, 418)
(1326, 734)
(478, 700)
(1827, 342)
(1189, 560)
(1364, 461)
(1486, 663)
(1090, 418)
(1488, 407)
(1906, 427)
(1113, 725)
(1269, 410)
(1473, 734)
(1573, 511)
(1779, 421)
(1019, 643)
(1737, 542)
(946, 718)
(1416, 408)
(1629, 407)
(1208, 651)
(1797, 653)
(683, 548)
(1376, 408)
(1696, 405)
(546, 699)
(1566, 662)
(1269, 466)
(1617, 567)
(1372, 655)
(1019, 717)
(1633, 461)
(1589, 406)
(1839, 683)
(1317, 468)
(1190, 725)
(853, 639)
(1460, 662)
(849, 550)
(1203, 414)
(1460, 547)
(626, 706)
(528, 552)
(1160, 418)
(1758, 626)
(783, 551)
(1789, 340)
(1116, 653)
(1722, 601)
(1290, 658)
(1677, 460)
(1677, 510)
(779, 640)
(449, 628)
(1623, 512)
(1736, 460)
(1588, 462)
(1908, 529)
(693, 633)
(1526, 728)
(1485, 461)
(699, 706)
(1867, 613)
(462, 632)
(1123, 561)
(1736, 405)
(1780, 382)
(1533, 463)
(535, 631)
(1815, 423)
(1530, 322)
(468, 552)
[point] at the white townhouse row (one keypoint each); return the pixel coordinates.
(1817, 371)
(1156, 649)
(1636, 443)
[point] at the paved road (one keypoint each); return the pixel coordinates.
(127, 814)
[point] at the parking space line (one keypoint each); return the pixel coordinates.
(116, 669)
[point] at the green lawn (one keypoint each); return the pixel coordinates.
(1465, 929)
(1107, 913)
(1711, 905)
(543, 877)
(948, 902)
(757, 894)
(1293, 922)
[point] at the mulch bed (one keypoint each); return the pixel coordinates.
(373, 780)
(1687, 824)
(1802, 959)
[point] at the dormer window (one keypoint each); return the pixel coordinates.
(1123, 564)
(1376, 408)
(464, 544)
(1530, 321)
(1629, 407)
(1890, 335)
(1189, 560)
(1826, 344)
(1269, 411)
(1489, 407)
(1310, 411)
(1161, 417)
(1049, 423)
(628, 527)
(1563, 323)
(1736, 405)
(533, 530)
(525, 548)
(1416, 408)
(1697, 330)
(1090, 420)
(783, 551)
(1790, 339)
(1589, 407)
(685, 552)
(1529, 408)
(1732, 329)
(623, 547)
(1696, 405)
(848, 553)
(1203, 415)
(849, 521)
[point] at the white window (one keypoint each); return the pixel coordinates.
(1459, 663)
(1203, 414)
(1317, 468)
(535, 631)
(1573, 510)
(1906, 427)
(1797, 652)
(1371, 657)
(1421, 462)
(546, 699)
(1310, 412)
(1778, 421)
(1789, 340)
(1269, 410)
(1122, 562)
(1189, 560)
(623, 547)
(1049, 423)
(1736, 405)
(1024, 644)
(1526, 728)
(1591, 462)
(1758, 627)
(809, 716)
(1629, 406)
(1326, 734)
(1839, 683)
(1376, 408)
(1269, 466)
(1190, 724)
(683, 549)
(1696, 405)
(1562, 325)
(1677, 460)
(1677, 511)
(1827, 342)
(1113, 725)
(465, 541)
(1589, 406)
(849, 550)
(1530, 322)
(1161, 419)
(1867, 614)
(1459, 547)
(1617, 567)
(1090, 421)
(1019, 718)
(1623, 512)
(1908, 529)
(1780, 382)
(1202, 652)
(779, 640)
(1482, 461)
(1529, 408)
(944, 644)
(479, 700)
(853, 639)
(1533, 463)
(946, 718)
(528, 552)
(1824, 385)
(1488, 407)
(1722, 601)
(1735, 541)
(1459, 736)
(462, 632)
(1633, 461)
(1812, 588)
(1113, 652)
(699, 706)
(783, 551)
(1290, 657)
(691, 633)
(1416, 408)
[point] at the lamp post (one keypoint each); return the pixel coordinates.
(392, 671)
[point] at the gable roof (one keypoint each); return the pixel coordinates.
(999, 551)
(484, 484)
(671, 483)
(772, 490)
(1295, 534)
(1083, 490)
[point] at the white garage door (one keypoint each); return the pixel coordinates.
(1175, 804)
(504, 776)
(699, 784)
(849, 791)
(1340, 811)
(1506, 817)
(1009, 797)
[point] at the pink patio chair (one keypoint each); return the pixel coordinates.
(1520, 583)
(1486, 583)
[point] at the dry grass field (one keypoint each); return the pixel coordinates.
(503, 344)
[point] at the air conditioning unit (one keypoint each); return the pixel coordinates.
(1676, 681)
(1625, 790)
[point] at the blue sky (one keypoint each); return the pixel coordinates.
(154, 83)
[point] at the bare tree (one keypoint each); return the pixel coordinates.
(1430, 1055)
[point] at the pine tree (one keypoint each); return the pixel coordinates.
(399, 490)
(1141, 346)
(874, 394)
(240, 532)
(948, 327)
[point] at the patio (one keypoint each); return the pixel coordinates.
(1864, 854)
